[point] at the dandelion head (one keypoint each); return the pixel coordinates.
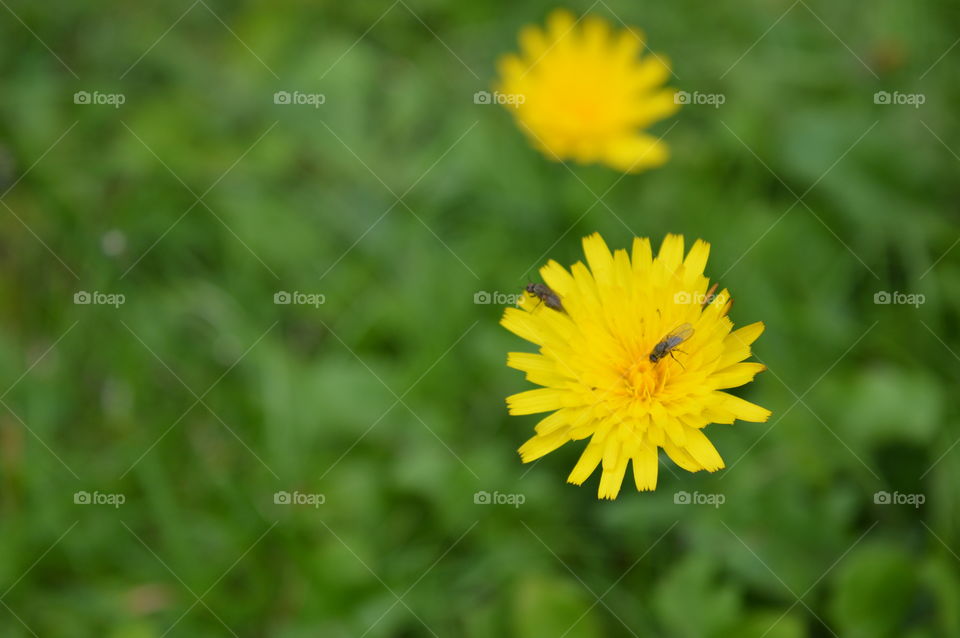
(637, 358)
(581, 90)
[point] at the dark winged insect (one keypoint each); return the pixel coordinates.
(546, 295)
(670, 341)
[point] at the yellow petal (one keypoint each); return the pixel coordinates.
(540, 369)
(599, 258)
(554, 422)
(701, 449)
(560, 24)
(667, 423)
(719, 414)
(596, 33)
(510, 67)
(696, 259)
(557, 278)
(522, 324)
(612, 451)
(681, 457)
(656, 436)
(535, 401)
(628, 44)
(744, 410)
(612, 479)
(530, 362)
(658, 106)
(747, 334)
(533, 43)
(645, 467)
(671, 252)
(652, 71)
(538, 446)
(642, 254)
(736, 345)
(635, 153)
(736, 375)
(588, 462)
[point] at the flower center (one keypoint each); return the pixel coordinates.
(643, 379)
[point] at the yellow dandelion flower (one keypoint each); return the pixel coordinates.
(582, 91)
(635, 354)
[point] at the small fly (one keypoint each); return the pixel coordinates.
(546, 295)
(670, 341)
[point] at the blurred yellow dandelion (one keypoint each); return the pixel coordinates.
(582, 91)
(636, 358)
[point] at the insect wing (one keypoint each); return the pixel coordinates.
(678, 335)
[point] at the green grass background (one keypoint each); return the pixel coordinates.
(199, 397)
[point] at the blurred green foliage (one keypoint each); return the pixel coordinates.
(199, 398)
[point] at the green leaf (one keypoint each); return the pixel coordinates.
(877, 411)
(771, 624)
(872, 591)
(693, 584)
(551, 607)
